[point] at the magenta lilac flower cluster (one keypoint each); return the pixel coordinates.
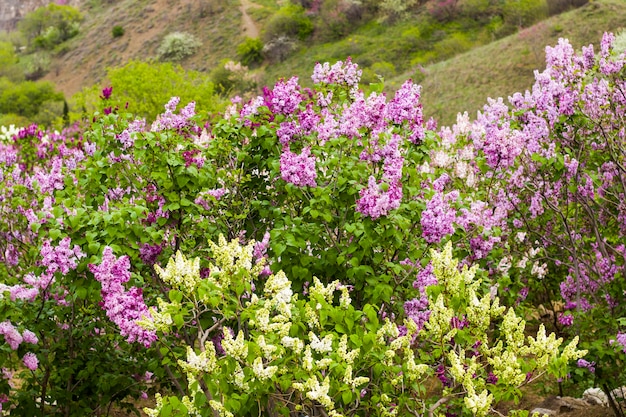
(298, 169)
(123, 307)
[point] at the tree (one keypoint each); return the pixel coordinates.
(48, 26)
(145, 86)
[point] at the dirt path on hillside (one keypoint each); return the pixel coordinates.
(248, 27)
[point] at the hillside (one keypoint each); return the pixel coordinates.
(409, 48)
(507, 66)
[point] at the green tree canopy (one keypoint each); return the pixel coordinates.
(147, 86)
(26, 98)
(50, 25)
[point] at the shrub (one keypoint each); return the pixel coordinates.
(250, 51)
(560, 6)
(338, 18)
(232, 78)
(48, 26)
(26, 98)
(523, 13)
(117, 31)
(177, 46)
(392, 10)
(143, 86)
(288, 22)
(278, 49)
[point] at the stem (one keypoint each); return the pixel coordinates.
(436, 405)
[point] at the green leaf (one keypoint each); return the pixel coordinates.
(346, 397)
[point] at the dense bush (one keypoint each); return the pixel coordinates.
(177, 46)
(26, 98)
(117, 31)
(290, 21)
(250, 51)
(367, 255)
(50, 25)
(142, 87)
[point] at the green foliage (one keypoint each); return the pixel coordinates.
(26, 98)
(9, 62)
(523, 13)
(48, 26)
(177, 46)
(117, 31)
(35, 65)
(396, 9)
(232, 78)
(250, 51)
(290, 21)
(145, 86)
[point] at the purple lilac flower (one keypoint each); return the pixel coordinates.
(285, 97)
(30, 337)
(106, 93)
(60, 258)
(150, 253)
(30, 361)
(340, 73)
(123, 307)
(491, 378)
(591, 366)
(11, 335)
(406, 107)
(441, 374)
(417, 310)
(438, 219)
(565, 319)
(298, 169)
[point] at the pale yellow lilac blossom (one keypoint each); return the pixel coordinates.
(237, 348)
(220, 409)
(180, 273)
(263, 372)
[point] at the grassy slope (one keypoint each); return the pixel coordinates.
(506, 66)
(146, 22)
(461, 83)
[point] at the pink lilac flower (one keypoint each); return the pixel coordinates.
(60, 258)
(583, 363)
(565, 319)
(298, 169)
(11, 336)
(30, 361)
(438, 219)
(379, 198)
(287, 132)
(169, 120)
(123, 307)
(285, 97)
(30, 337)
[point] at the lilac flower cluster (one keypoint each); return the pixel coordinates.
(298, 169)
(406, 107)
(438, 219)
(340, 73)
(379, 198)
(123, 307)
(285, 97)
(169, 120)
(583, 363)
(206, 198)
(60, 258)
